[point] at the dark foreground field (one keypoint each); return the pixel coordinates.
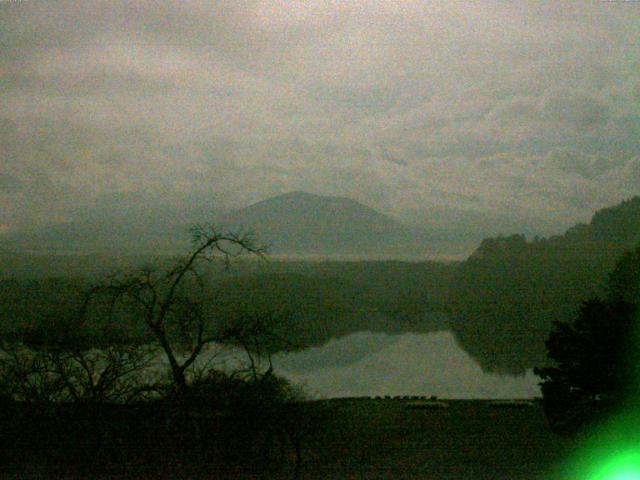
(356, 438)
(468, 440)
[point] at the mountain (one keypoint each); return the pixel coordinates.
(99, 236)
(295, 223)
(304, 223)
(126, 227)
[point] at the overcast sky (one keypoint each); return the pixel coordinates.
(412, 107)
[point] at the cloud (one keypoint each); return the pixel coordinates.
(405, 105)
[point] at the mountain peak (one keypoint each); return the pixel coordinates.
(298, 194)
(306, 197)
(302, 222)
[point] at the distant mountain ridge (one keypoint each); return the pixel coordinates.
(297, 223)
(294, 223)
(304, 223)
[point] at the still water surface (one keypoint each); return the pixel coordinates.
(370, 364)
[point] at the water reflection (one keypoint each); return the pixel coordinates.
(370, 364)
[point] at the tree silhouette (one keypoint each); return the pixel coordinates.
(169, 301)
(596, 358)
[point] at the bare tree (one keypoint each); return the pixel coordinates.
(114, 374)
(260, 335)
(170, 301)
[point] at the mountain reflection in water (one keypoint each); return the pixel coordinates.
(371, 364)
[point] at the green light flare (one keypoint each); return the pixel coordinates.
(610, 448)
(612, 452)
(625, 466)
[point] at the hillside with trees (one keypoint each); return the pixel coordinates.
(505, 297)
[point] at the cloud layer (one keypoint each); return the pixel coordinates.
(529, 110)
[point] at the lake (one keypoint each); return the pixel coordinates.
(379, 364)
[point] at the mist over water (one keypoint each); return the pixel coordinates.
(370, 364)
